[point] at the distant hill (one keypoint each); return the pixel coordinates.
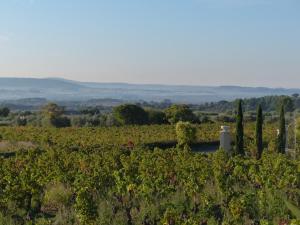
(56, 89)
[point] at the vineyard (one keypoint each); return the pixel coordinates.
(117, 136)
(109, 176)
(150, 112)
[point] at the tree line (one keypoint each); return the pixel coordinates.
(239, 136)
(142, 114)
(268, 104)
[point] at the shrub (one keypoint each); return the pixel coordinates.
(61, 121)
(186, 133)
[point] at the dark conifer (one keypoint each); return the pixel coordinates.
(281, 143)
(259, 132)
(239, 141)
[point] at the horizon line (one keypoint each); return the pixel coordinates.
(150, 84)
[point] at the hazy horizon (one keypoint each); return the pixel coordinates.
(154, 84)
(193, 42)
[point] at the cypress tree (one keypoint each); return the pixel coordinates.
(282, 132)
(239, 140)
(259, 132)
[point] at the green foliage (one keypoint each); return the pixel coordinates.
(268, 104)
(4, 112)
(52, 110)
(156, 117)
(57, 196)
(239, 140)
(294, 209)
(87, 176)
(186, 133)
(288, 104)
(85, 207)
(53, 116)
(259, 132)
(130, 115)
(61, 121)
(177, 113)
(85, 121)
(281, 143)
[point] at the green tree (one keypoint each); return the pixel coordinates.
(130, 114)
(54, 115)
(177, 113)
(60, 121)
(259, 132)
(287, 102)
(281, 142)
(239, 140)
(4, 112)
(52, 110)
(156, 117)
(186, 133)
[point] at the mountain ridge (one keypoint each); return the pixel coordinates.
(68, 90)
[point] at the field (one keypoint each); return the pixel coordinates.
(94, 176)
(118, 136)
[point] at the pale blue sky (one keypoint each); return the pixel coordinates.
(199, 42)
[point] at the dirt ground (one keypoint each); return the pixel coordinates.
(7, 146)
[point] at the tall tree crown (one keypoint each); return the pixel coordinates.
(259, 132)
(281, 143)
(239, 130)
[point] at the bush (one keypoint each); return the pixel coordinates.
(61, 121)
(186, 133)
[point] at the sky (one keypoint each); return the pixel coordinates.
(191, 42)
